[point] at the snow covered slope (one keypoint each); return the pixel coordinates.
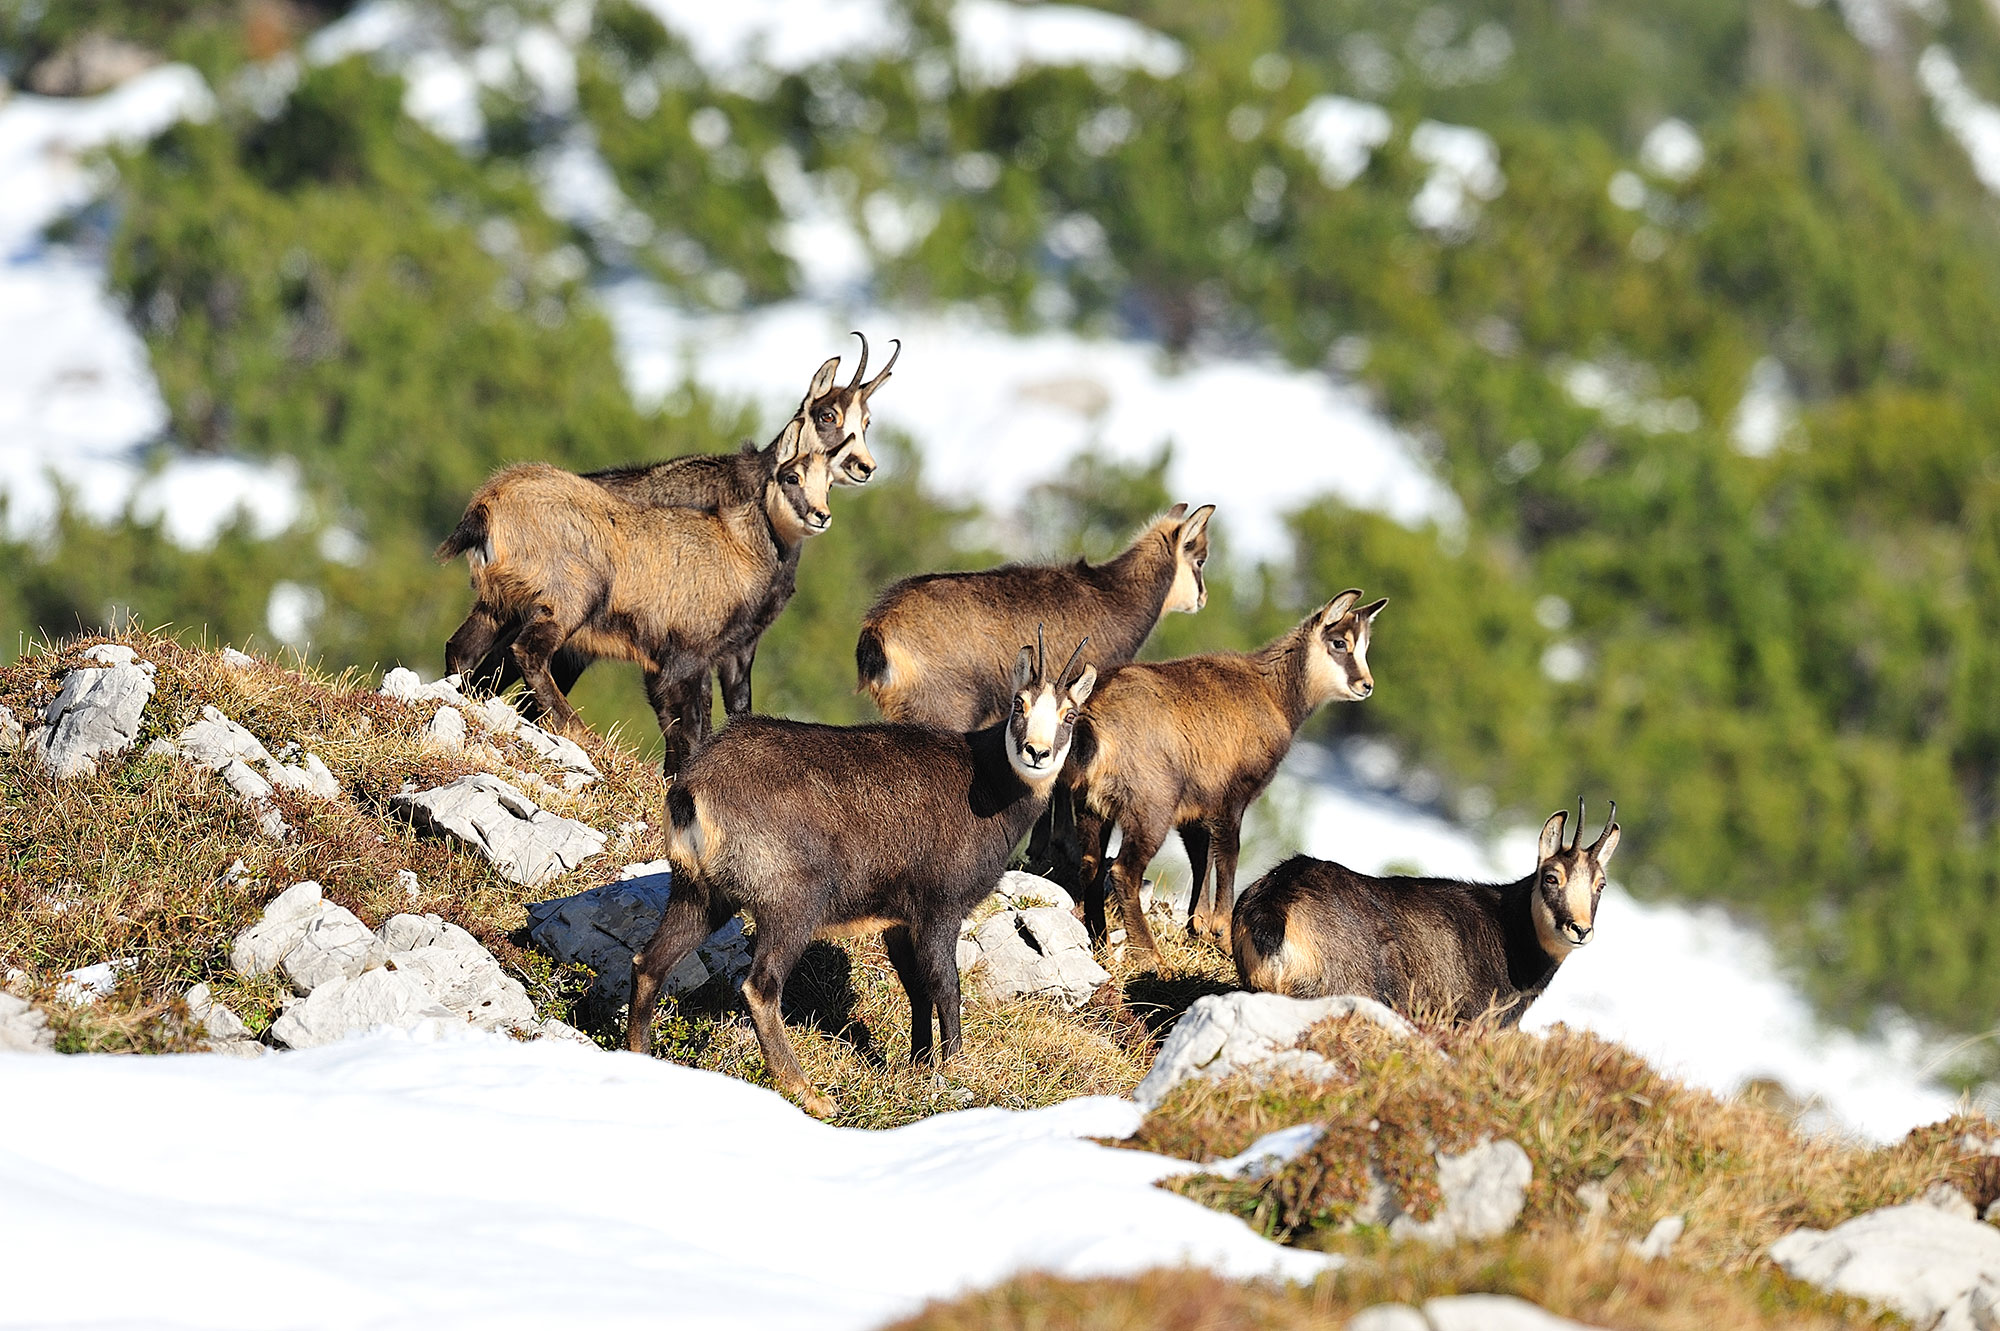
(494, 1184)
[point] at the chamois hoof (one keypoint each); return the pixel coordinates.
(819, 1106)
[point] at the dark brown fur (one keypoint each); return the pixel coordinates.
(820, 830)
(1427, 947)
(1189, 744)
(935, 650)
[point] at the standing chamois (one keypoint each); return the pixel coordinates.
(835, 418)
(1189, 744)
(1425, 946)
(935, 649)
(557, 560)
(829, 830)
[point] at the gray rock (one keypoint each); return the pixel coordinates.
(343, 1007)
(24, 1028)
(447, 728)
(1389, 1317)
(1023, 891)
(604, 927)
(215, 1017)
(406, 880)
(1043, 952)
(407, 933)
(1250, 1032)
(1660, 1239)
(1484, 1190)
(1464, 1312)
(408, 686)
(223, 746)
(259, 949)
(578, 770)
(525, 843)
(96, 714)
(1939, 1270)
(548, 1028)
(1949, 1200)
(237, 660)
(12, 735)
(87, 984)
(334, 945)
(469, 983)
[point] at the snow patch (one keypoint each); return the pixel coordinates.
(1465, 172)
(783, 35)
(1972, 120)
(1340, 134)
(998, 42)
(1767, 413)
(1672, 150)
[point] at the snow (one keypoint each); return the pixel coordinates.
(1253, 436)
(783, 35)
(1701, 996)
(1972, 120)
(1340, 134)
(78, 402)
(998, 42)
(1465, 172)
(484, 1182)
(1767, 413)
(1672, 150)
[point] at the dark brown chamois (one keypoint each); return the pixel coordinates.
(829, 830)
(935, 650)
(836, 418)
(1428, 947)
(1189, 744)
(557, 560)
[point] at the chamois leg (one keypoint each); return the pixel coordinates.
(1195, 837)
(733, 673)
(780, 944)
(541, 636)
(937, 953)
(685, 923)
(677, 703)
(903, 956)
(1128, 875)
(1228, 830)
(1088, 884)
(1052, 843)
(475, 638)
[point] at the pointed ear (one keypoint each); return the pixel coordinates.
(1552, 835)
(1339, 605)
(788, 442)
(1196, 527)
(1080, 691)
(1024, 668)
(1372, 609)
(1607, 842)
(823, 379)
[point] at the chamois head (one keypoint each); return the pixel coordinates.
(1188, 535)
(1337, 648)
(795, 499)
(1043, 719)
(838, 415)
(1568, 881)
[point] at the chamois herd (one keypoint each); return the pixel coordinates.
(902, 827)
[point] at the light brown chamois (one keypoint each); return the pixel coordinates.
(936, 649)
(1188, 744)
(562, 560)
(829, 830)
(1428, 947)
(835, 418)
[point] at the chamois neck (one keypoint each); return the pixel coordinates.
(1147, 565)
(998, 793)
(1287, 663)
(1530, 965)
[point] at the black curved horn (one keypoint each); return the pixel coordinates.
(861, 367)
(1577, 838)
(876, 382)
(1610, 821)
(1072, 660)
(1041, 655)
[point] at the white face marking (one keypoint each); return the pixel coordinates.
(1552, 940)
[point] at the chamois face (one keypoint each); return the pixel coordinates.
(837, 416)
(1190, 590)
(1043, 719)
(796, 499)
(1568, 881)
(1337, 648)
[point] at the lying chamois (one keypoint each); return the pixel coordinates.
(557, 559)
(829, 830)
(934, 649)
(1424, 946)
(1189, 744)
(836, 420)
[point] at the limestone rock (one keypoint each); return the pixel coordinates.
(96, 714)
(24, 1029)
(469, 983)
(342, 1007)
(223, 746)
(1939, 1270)
(12, 735)
(259, 949)
(1226, 1033)
(408, 686)
(447, 728)
(1950, 1200)
(525, 843)
(1043, 952)
(578, 770)
(410, 884)
(1023, 891)
(215, 1017)
(335, 944)
(236, 660)
(1464, 1312)
(1484, 1190)
(1660, 1239)
(604, 927)
(87, 984)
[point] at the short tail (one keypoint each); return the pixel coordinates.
(871, 663)
(1258, 935)
(683, 830)
(470, 534)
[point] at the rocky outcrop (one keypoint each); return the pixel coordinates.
(1938, 1269)
(12, 734)
(1040, 952)
(1464, 1312)
(447, 727)
(604, 927)
(226, 1032)
(24, 1029)
(524, 842)
(1483, 1191)
(220, 745)
(96, 714)
(1249, 1032)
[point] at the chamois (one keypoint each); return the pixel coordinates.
(1425, 946)
(1189, 744)
(558, 559)
(934, 649)
(827, 830)
(837, 417)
